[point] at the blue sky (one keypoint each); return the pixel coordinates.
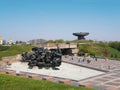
(58, 19)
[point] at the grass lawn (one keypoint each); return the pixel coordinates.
(98, 49)
(17, 83)
(13, 50)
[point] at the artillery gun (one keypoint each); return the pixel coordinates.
(42, 57)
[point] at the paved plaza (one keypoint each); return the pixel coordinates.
(106, 73)
(111, 77)
(66, 70)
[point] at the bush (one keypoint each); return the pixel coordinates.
(115, 45)
(116, 56)
(106, 52)
(112, 55)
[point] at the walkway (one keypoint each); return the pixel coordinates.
(111, 78)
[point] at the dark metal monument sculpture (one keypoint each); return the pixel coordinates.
(43, 57)
(81, 35)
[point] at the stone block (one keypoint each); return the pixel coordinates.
(11, 72)
(34, 76)
(2, 71)
(48, 78)
(22, 74)
(65, 81)
(88, 85)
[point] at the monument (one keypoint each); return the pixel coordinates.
(43, 57)
(81, 35)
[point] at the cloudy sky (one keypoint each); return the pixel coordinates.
(58, 19)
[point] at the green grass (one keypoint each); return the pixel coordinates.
(112, 51)
(17, 83)
(98, 49)
(14, 49)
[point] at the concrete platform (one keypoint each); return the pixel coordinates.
(66, 70)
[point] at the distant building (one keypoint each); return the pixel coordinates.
(1, 40)
(11, 42)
